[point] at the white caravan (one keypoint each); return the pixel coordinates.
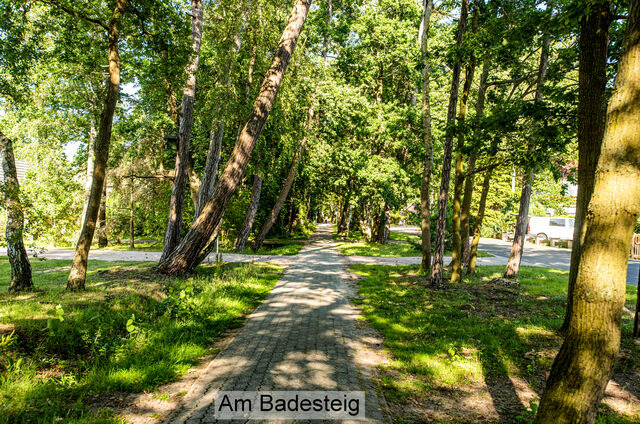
(551, 227)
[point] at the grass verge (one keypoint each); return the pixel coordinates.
(131, 331)
(473, 352)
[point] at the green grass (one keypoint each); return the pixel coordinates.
(443, 341)
(60, 368)
(411, 238)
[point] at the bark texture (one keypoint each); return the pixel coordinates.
(517, 247)
(515, 256)
(592, 103)
(18, 259)
(187, 255)
(250, 217)
(456, 253)
(174, 225)
(427, 139)
(584, 364)
(78, 271)
(438, 257)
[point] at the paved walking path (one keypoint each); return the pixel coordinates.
(303, 337)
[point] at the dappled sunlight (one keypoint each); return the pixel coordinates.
(487, 345)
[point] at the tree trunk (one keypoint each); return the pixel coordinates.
(78, 271)
(592, 104)
(456, 253)
(348, 225)
(186, 256)
(18, 258)
(438, 257)
(172, 109)
(103, 236)
(346, 207)
(174, 225)
(465, 214)
(382, 226)
(250, 217)
(515, 256)
(211, 168)
(425, 183)
(584, 364)
(284, 192)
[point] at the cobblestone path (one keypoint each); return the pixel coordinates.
(303, 337)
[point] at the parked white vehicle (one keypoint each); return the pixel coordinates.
(551, 227)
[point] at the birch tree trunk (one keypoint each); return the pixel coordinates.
(592, 104)
(425, 182)
(584, 364)
(438, 257)
(174, 225)
(250, 217)
(18, 259)
(187, 255)
(515, 256)
(78, 270)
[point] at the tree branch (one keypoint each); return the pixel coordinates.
(75, 13)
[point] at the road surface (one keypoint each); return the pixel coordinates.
(550, 257)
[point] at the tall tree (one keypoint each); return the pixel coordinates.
(515, 256)
(592, 77)
(456, 254)
(10, 188)
(186, 256)
(78, 271)
(584, 364)
(174, 225)
(427, 139)
(438, 258)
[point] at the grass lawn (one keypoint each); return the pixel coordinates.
(131, 331)
(476, 351)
